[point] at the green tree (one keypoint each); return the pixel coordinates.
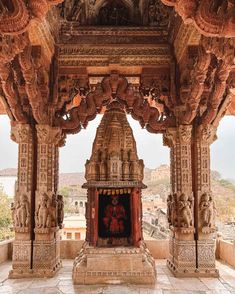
(5, 216)
(64, 191)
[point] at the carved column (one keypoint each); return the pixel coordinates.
(46, 250)
(182, 260)
(22, 209)
(205, 211)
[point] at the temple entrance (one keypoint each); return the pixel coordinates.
(114, 218)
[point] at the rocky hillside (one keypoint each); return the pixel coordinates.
(158, 182)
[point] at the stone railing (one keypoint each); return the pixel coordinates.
(225, 250)
(158, 248)
(6, 250)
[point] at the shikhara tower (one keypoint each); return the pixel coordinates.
(114, 250)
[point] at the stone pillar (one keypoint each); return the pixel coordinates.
(182, 260)
(22, 208)
(205, 211)
(46, 246)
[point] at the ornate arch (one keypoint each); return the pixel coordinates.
(115, 87)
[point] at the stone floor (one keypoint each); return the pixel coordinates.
(166, 283)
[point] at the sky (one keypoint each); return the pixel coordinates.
(149, 147)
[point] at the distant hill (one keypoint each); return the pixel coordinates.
(158, 182)
(8, 172)
(70, 179)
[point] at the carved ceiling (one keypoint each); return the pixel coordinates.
(59, 63)
(116, 13)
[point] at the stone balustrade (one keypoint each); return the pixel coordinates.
(6, 250)
(225, 250)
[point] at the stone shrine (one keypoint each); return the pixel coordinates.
(170, 65)
(114, 251)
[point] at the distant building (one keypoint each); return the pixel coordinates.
(77, 198)
(162, 172)
(152, 202)
(74, 228)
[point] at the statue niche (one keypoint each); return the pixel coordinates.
(155, 14)
(74, 10)
(113, 13)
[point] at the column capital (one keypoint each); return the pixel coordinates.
(182, 134)
(206, 134)
(21, 133)
(185, 133)
(50, 135)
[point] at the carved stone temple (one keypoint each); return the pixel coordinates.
(170, 65)
(114, 251)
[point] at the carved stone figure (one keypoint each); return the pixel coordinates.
(43, 217)
(113, 13)
(53, 211)
(14, 207)
(207, 209)
(21, 212)
(78, 12)
(185, 212)
(155, 14)
(170, 209)
(60, 210)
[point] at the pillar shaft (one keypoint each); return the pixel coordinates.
(205, 211)
(23, 207)
(191, 207)
(46, 250)
(180, 202)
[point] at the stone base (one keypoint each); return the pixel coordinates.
(188, 273)
(117, 265)
(34, 273)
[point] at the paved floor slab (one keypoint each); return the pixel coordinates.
(165, 284)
